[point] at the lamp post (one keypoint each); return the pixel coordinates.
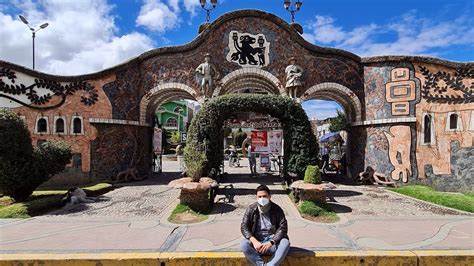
(292, 8)
(179, 110)
(208, 9)
(33, 31)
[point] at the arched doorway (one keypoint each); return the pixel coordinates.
(300, 146)
(351, 106)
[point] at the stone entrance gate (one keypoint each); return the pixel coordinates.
(392, 103)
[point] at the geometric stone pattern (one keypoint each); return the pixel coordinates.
(272, 85)
(400, 91)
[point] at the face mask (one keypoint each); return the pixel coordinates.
(263, 201)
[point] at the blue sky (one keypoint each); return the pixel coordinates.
(88, 35)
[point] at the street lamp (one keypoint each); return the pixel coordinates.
(33, 31)
(208, 9)
(179, 110)
(292, 8)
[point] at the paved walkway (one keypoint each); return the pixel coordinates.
(133, 218)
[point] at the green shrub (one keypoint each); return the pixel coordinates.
(239, 137)
(313, 208)
(312, 175)
(175, 137)
(195, 159)
(22, 169)
(300, 148)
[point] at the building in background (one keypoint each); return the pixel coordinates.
(175, 115)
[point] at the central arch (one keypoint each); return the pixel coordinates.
(300, 146)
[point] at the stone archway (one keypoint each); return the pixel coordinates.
(339, 93)
(163, 93)
(249, 77)
(300, 146)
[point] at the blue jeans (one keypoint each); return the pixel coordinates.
(278, 252)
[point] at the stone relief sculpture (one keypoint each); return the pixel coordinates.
(293, 78)
(208, 75)
(399, 140)
(248, 50)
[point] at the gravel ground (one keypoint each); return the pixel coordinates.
(144, 199)
(376, 201)
(150, 197)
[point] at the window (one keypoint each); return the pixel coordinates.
(453, 121)
(171, 123)
(59, 126)
(77, 125)
(178, 109)
(427, 131)
(42, 125)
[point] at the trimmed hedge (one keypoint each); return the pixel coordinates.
(312, 175)
(300, 146)
(22, 168)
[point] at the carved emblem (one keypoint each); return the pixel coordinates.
(248, 50)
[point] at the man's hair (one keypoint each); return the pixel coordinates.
(263, 188)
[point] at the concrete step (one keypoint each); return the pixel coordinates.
(295, 257)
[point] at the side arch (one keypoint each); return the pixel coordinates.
(163, 93)
(337, 92)
(249, 77)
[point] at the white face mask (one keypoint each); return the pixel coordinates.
(263, 201)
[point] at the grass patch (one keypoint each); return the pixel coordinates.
(43, 201)
(183, 214)
(314, 211)
(459, 201)
(317, 212)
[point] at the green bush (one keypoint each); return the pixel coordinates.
(22, 169)
(175, 137)
(313, 208)
(300, 148)
(195, 160)
(312, 175)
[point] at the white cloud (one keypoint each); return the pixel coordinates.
(413, 35)
(157, 16)
(81, 37)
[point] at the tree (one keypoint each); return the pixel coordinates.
(339, 122)
(22, 168)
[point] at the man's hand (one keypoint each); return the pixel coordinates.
(256, 244)
(265, 247)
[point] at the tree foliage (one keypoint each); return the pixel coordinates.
(339, 122)
(22, 168)
(300, 146)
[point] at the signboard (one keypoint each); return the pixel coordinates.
(259, 141)
(264, 160)
(184, 137)
(275, 138)
(157, 141)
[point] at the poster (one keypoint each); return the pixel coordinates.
(259, 141)
(275, 138)
(157, 139)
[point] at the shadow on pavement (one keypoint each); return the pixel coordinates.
(221, 207)
(338, 208)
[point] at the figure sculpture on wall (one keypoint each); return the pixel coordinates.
(399, 140)
(208, 74)
(293, 78)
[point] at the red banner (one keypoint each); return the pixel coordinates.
(259, 141)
